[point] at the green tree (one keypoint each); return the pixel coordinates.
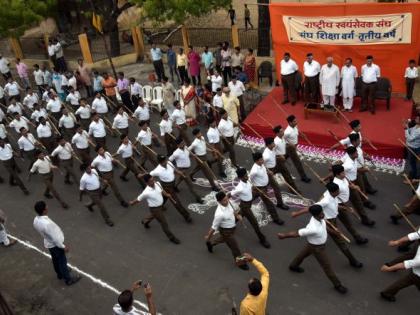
(179, 10)
(16, 16)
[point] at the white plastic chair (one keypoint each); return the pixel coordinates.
(157, 97)
(147, 93)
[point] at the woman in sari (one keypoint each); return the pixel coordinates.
(85, 77)
(190, 100)
(249, 65)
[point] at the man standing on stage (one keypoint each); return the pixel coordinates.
(329, 79)
(311, 69)
(348, 83)
(370, 73)
(288, 69)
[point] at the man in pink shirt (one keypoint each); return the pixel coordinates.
(22, 70)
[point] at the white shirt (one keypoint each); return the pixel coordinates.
(136, 89)
(145, 137)
(291, 135)
(44, 131)
(315, 232)
(280, 148)
(63, 152)
(165, 127)
(99, 105)
(269, 157)
(236, 89)
(81, 141)
(83, 112)
(66, 121)
(17, 124)
(152, 195)
(213, 135)
(12, 88)
(126, 150)
(370, 74)
(226, 128)
(90, 181)
(199, 146)
(329, 205)
(97, 129)
(218, 101)
(4, 65)
(58, 50)
(243, 191)
(27, 143)
(414, 263)
(178, 116)
(288, 67)
(51, 50)
(344, 194)
(311, 69)
(216, 82)
(14, 108)
(224, 217)
(41, 166)
(350, 168)
(3, 131)
(45, 97)
(411, 73)
(30, 100)
(103, 163)
(50, 231)
(258, 175)
(73, 82)
(39, 77)
(142, 113)
(120, 121)
(36, 114)
(347, 143)
(165, 174)
(181, 158)
(73, 98)
(54, 106)
(6, 153)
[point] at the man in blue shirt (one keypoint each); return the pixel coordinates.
(207, 59)
(171, 57)
(156, 55)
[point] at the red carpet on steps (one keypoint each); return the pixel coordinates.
(383, 129)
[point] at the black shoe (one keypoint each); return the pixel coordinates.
(278, 222)
(176, 189)
(223, 175)
(123, 178)
(282, 206)
(372, 191)
(296, 269)
(26, 192)
(65, 205)
(285, 102)
(394, 219)
(188, 220)
(340, 289)
(356, 264)
(175, 240)
(361, 240)
(192, 178)
(145, 224)
(104, 192)
(265, 243)
(389, 298)
(90, 208)
(244, 267)
(48, 196)
(215, 189)
(209, 247)
(306, 179)
(199, 200)
(124, 204)
(368, 222)
(368, 204)
(109, 222)
(403, 248)
(73, 280)
(12, 184)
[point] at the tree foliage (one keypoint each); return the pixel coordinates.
(179, 10)
(16, 16)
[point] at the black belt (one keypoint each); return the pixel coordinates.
(370, 83)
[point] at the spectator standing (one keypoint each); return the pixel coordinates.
(171, 59)
(168, 91)
(53, 241)
(226, 62)
(370, 73)
(125, 301)
(85, 76)
(136, 91)
(22, 70)
(247, 15)
(156, 54)
(237, 59)
(4, 239)
(412, 138)
(59, 55)
(123, 88)
(311, 69)
(216, 80)
(250, 65)
(181, 61)
(411, 74)
(218, 57)
(237, 89)
(207, 59)
(97, 83)
(39, 79)
(232, 15)
(329, 79)
(4, 67)
(51, 53)
(348, 84)
(194, 66)
(288, 69)
(109, 84)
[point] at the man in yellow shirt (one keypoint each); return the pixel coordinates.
(256, 300)
(231, 105)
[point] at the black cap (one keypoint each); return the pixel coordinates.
(241, 172)
(354, 123)
(337, 169)
(315, 210)
(220, 195)
(256, 156)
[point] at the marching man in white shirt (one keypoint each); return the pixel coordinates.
(237, 89)
(213, 135)
(244, 191)
(225, 223)
(65, 152)
(84, 113)
(27, 144)
(81, 141)
(165, 127)
(288, 70)
(348, 84)
(329, 79)
(44, 167)
(120, 122)
(410, 75)
(90, 184)
(54, 106)
(73, 98)
(226, 129)
(67, 124)
(125, 150)
(45, 134)
(179, 119)
(291, 136)
(39, 111)
(18, 122)
(370, 73)
(153, 194)
(407, 262)
(311, 69)
(144, 137)
(142, 111)
(9, 163)
(104, 164)
(30, 99)
(316, 236)
(97, 130)
(53, 241)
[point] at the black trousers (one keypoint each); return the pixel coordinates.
(159, 69)
(227, 74)
(59, 260)
(183, 73)
(312, 89)
(410, 87)
(368, 96)
(289, 88)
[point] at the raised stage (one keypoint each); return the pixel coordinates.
(383, 129)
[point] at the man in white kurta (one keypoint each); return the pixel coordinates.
(329, 79)
(348, 82)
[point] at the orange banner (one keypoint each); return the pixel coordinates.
(392, 58)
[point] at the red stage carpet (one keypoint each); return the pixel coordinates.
(383, 129)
